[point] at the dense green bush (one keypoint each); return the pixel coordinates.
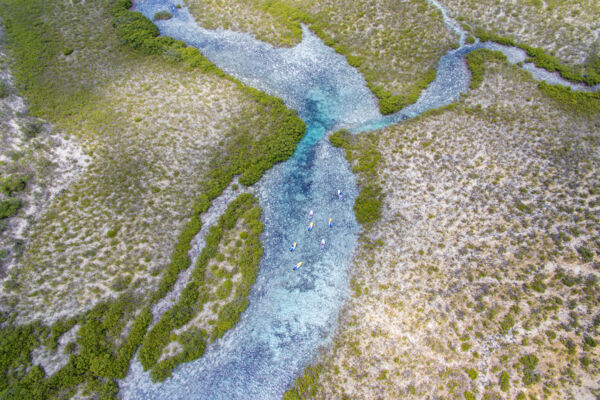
(100, 359)
(16, 343)
(194, 344)
(472, 373)
(9, 207)
(475, 62)
(138, 32)
(367, 206)
(179, 259)
(390, 103)
(583, 103)
(57, 330)
(590, 341)
(529, 363)
(12, 184)
(306, 386)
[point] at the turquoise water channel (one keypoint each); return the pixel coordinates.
(292, 313)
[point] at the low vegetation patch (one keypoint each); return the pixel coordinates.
(162, 15)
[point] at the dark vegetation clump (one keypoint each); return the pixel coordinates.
(529, 363)
(389, 102)
(32, 128)
(584, 103)
(3, 90)
(306, 386)
(103, 351)
(162, 15)
(103, 355)
(9, 207)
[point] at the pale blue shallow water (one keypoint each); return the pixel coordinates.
(292, 313)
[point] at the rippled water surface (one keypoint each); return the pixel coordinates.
(292, 313)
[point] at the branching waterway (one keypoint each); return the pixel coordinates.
(293, 313)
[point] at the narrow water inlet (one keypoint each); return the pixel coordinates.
(292, 313)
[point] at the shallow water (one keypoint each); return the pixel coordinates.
(292, 313)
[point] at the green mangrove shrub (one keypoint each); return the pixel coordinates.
(162, 15)
(12, 184)
(475, 62)
(361, 152)
(9, 207)
(306, 386)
